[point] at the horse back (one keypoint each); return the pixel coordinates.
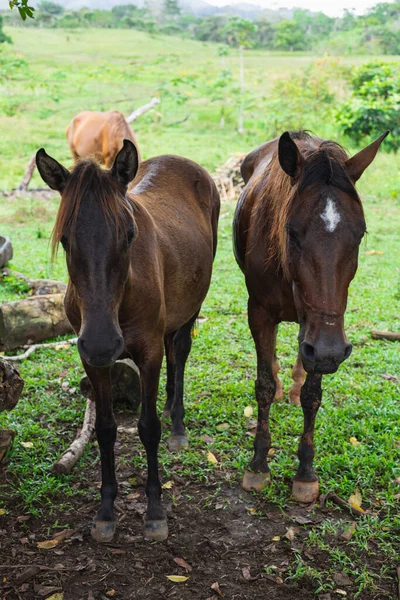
(177, 207)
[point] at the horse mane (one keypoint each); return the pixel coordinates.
(323, 165)
(88, 181)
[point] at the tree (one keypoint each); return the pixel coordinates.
(51, 8)
(290, 36)
(171, 8)
(3, 36)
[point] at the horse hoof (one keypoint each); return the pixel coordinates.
(294, 397)
(305, 492)
(156, 531)
(255, 481)
(103, 531)
(177, 442)
(166, 413)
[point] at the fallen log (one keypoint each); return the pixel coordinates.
(11, 386)
(385, 335)
(32, 320)
(38, 287)
(125, 384)
(141, 110)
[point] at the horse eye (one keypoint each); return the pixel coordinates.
(64, 242)
(130, 236)
(293, 237)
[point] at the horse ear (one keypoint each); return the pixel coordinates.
(289, 156)
(55, 175)
(357, 164)
(126, 163)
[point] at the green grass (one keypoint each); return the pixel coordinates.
(357, 401)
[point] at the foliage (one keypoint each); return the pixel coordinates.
(374, 105)
(302, 100)
(3, 36)
(377, 31)
(23, 8)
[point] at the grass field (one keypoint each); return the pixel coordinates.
(104, 69)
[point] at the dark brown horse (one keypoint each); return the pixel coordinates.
(297, 230)
(140, 266)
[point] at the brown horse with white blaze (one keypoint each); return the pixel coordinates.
(140, 266)
(99, 135)
(297, 231)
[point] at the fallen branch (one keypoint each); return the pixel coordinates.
(71, 456)
(340, 502)
(23, 186)
(11, 386)
(34, 347)
(385, 335)
(142, 109)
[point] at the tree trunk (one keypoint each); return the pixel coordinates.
(11, 386)
(23, 186)
(32, 320)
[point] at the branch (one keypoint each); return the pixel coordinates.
(71, 456)
(23, 186)
(31, 349)
(385, 335)
(142, 109)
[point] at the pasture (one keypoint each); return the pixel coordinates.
(251, 545)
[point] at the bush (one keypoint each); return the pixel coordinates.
(374, 105)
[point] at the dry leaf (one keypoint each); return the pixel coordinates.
(222, 427)
(248, 412)
(276, 538)
(342, 579)
(354, 442)
(290, 534)
(216, 588)
(303, 520)
(278, 580)
(167, 485)
(27, 444)
(246, 573)
(58, 596)
(133, 496)
(211, 458)
(182, 563)
(110, 593)
(177, 578)
(47, 589)
(207, 438)
(2, 511)
(356, 498)
(64, 534)
(47, 545)
(348, 533)
(271, 451)
(340, 592)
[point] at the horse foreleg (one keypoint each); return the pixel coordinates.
(298, 376)
(170, 359)
(106, 431)
(149, 426)
(305, 483)
(264, 334)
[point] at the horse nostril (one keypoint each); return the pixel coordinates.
(308, 352)
(347, 351)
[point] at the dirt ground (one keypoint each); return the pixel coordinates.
(221, 538)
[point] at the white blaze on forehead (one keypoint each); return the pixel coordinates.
(330, 216)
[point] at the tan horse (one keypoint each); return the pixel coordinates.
(99, 135)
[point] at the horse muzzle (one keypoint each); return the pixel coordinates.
(100, 356)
